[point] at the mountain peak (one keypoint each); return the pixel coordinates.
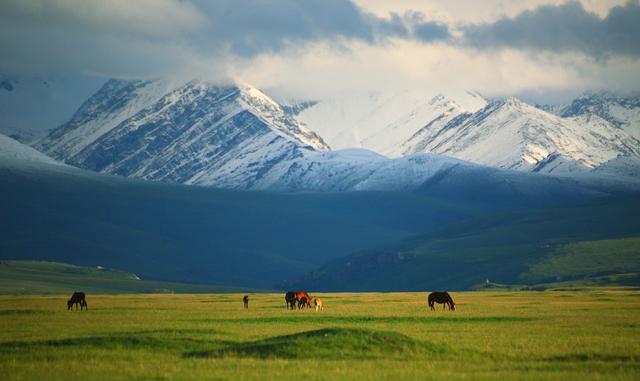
(512, 101)
(196, 133)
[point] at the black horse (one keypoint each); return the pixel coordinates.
(441, 297)
(290, 299)
(77, 298)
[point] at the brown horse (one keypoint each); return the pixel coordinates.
(441, 297)
(77, 298)
(245, 301)
(303, 299)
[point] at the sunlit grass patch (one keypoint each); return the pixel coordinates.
(393, 336)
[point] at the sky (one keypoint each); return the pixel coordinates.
(545, 51)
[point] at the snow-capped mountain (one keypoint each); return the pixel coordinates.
(235, 136)
(194, 133)
(112, 104)
(512, 134)
(507, 133)
(357, 169)
(382, 122)
(364, 170)
(622, 112)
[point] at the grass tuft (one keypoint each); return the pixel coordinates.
(330, 343)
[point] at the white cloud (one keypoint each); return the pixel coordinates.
(320, 71)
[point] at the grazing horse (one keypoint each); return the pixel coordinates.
(245, 301)
(77, 298)
(318, 304)
(303, 299)
(441, 297)
(290, 299)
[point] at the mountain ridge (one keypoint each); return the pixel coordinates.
(195, 133)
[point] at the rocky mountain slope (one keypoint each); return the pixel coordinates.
(235, 136)
(621, 111)
(513, 134)
(381, 122)
(508, 133)
(193, 133)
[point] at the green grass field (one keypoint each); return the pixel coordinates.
(554, 335)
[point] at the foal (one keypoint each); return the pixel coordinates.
(318, 304)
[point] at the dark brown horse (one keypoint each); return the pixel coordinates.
(77, 298)
(441, 297)
(245, 301)
(290, 299)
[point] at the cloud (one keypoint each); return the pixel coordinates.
(562, 28)
(322, 46)
(115, 38)
(155, 37)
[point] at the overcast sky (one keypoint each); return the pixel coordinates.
(542, 50)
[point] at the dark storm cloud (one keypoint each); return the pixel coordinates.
(258, 25)
(146, 38)
(153, 37)
(563, 28)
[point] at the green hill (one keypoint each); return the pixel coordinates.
(40, 277)
(448, 234)
(529, 247)
(200, 235)
(585, 259)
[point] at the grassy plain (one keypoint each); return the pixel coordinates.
(551, 335)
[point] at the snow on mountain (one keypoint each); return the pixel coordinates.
(364, 170)
(357, 170)
(622, 112)
(235, 136)
(112, 104)
(512, 134)
(197, 133)
(295, 107)
(13, 152)
(508, 134)
(383, 121)
(624, 166)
